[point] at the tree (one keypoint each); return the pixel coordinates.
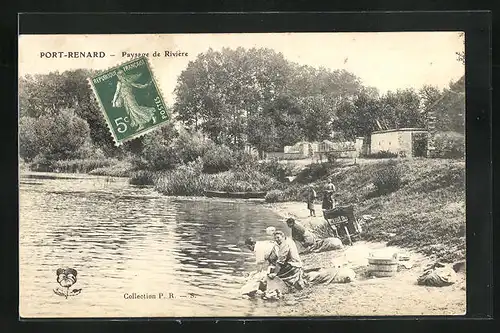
(401, 109)
(53, 136)
(263, 133)
(450, 111)
(318, 115)
(226, 94)
(29, 146)
(219, 90)
(46, 94)
(287, 118)
(461, 54)
(448, 106)
(357, 116)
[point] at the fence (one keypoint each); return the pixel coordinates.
(284, 156)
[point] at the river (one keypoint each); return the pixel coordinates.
(128, 242)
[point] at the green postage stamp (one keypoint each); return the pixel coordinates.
(129, 96)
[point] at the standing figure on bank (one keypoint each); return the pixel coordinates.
(328, 196)
(310, 197)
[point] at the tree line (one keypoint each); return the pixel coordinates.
(233, 97)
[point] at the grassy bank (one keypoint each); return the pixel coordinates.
(425, 212)
(187, 182)
(119, 169)
(102, 166)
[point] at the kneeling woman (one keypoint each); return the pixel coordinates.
(308, 240)
(286, 261)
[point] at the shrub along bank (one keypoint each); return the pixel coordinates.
(190, 180)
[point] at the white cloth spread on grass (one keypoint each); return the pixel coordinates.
(259, 282)
(332, 275)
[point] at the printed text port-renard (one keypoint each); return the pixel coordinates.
(75, 55)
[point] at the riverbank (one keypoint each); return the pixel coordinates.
(110, 167)
(368, 296)
(425, 213)
(392, 296)
(399, 295)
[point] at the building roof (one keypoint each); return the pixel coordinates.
(409, 129)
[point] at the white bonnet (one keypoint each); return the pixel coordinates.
(270, 230)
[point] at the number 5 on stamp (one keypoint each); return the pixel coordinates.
(130, 99)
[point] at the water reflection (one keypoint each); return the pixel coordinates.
(125, 239)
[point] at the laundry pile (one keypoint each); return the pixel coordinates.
(437, 275)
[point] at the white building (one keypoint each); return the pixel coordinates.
(302, 149)
(409, 142)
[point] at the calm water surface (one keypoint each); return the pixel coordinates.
(124, 239)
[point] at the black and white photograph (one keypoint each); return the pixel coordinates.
(262, 175)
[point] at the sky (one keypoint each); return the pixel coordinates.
(387, 61)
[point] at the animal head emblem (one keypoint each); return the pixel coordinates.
(66, 277)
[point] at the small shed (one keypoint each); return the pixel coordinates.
(406, 142)
(362, 146)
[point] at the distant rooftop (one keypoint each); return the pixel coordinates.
(408, 129)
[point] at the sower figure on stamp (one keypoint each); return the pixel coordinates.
(124, 96)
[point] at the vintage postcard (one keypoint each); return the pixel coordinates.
(242, 175)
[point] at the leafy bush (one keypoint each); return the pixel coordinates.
(276, 169)
(388, 179)
(166, 150)
(29, 145)
(380, 154)
(274, 196)
(314, 172)
(56, 136)
(158, 153)
(191, 145)
(244, 160)
(120, 169)
(161, 157)
(449, 145)
(195, 167)
(217, 159)
(89, 151)
(142, 177)
(43, 164)
(188, 180)
(332, 156)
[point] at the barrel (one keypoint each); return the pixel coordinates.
(383, 266)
